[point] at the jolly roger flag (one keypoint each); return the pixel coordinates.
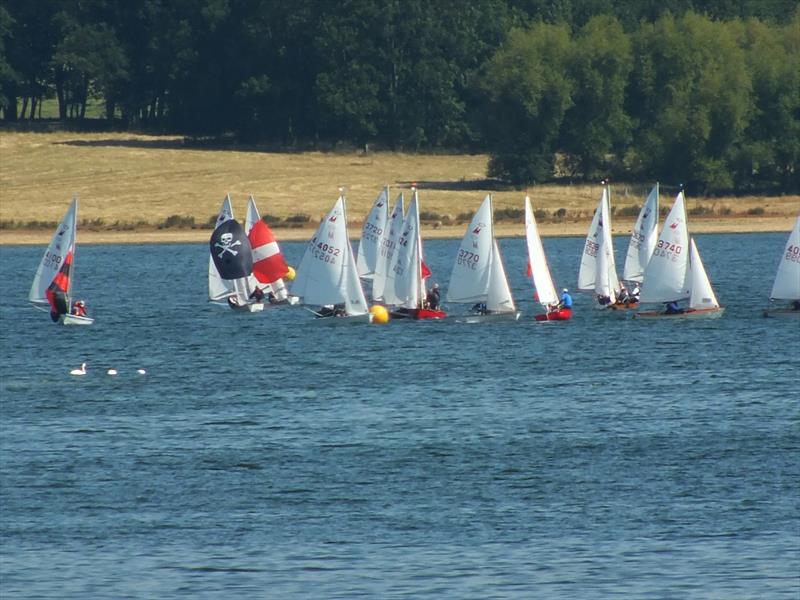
(231, 251)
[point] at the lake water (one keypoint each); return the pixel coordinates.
(268, 456)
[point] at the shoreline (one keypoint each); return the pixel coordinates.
(699, 225)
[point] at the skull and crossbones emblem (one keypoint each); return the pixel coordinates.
(227, 244)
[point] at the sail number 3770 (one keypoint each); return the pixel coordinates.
(468, 259)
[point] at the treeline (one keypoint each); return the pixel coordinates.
(701, 92)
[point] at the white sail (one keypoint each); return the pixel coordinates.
(327, 274)
(387, 250)
(371, 235)
(606, 281)
(218, 288)
(252, 217)
(62, 244)
(405, 271)
(701, 294)
(587, 274)
(787, 280)
(643, 239)
(469, 280)
(540, 272)
(666, 273)
(498, 297)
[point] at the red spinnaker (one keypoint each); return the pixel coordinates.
(268, 262)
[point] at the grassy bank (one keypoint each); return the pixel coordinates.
(140, 188)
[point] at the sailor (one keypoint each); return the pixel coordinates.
(672, 308)
(480, 308)
(603, 300)
(635, 293)
(434, 298)
(566, 299)
(79, 308)
(623, 297)
(257, 294)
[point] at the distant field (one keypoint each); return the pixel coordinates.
(135, 185)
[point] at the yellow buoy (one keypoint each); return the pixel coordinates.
(379, 314)
(290, 274)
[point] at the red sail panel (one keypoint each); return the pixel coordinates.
(57, 290)
(426, 272)
(268, 262)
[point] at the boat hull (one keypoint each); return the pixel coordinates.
(624, 306)
(75, 320)
(490, 318)
(338, 320)
(689, 313)
(781, 312)
(417, 314)
(248, 308)
(563, 314)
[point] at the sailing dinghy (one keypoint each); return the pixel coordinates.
(327, 276)
(676, 272)
(269, 265)
(372, 234)
(387, 249)
(52, 285)
(540, 272)
(478, 276)
(640, 249)
(404, 289)
(598, 270)
(231, 267)
(787, 279)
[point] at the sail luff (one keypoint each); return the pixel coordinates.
(787, 279)
(587, 274)
(643, 238)
(540, 272)
(701, 293)
(61, 244)
(665, 274)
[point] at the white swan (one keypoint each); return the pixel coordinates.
(81, 371)
(111, 372)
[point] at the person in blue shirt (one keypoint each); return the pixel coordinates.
(673, 308)
(566, 299)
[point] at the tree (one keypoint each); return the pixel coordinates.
(597, 127)
(691, 97)
(527, 91)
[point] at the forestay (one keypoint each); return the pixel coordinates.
(643, 239)
(665, 276)
(787, 279)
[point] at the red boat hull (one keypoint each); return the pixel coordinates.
(419, 314)
(563, 314)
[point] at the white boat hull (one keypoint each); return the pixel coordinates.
(490, 318)
(691, 313)
(75, 320)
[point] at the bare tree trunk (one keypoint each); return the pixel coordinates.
(24, 107)
(84, 96)
(34, 106)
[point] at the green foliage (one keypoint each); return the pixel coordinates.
(704, 92)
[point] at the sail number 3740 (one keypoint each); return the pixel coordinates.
(668, 250)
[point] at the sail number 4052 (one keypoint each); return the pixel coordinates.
(326, 252)
(793, 253)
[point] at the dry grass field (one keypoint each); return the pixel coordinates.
(131, 186)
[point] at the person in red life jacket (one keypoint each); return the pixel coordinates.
(79, 308)
(434, 298)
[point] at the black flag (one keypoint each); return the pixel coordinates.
(231, 251)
